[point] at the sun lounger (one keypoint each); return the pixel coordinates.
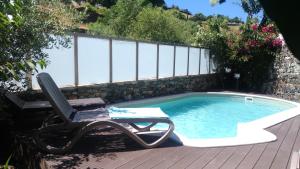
(122, 119)
(45, 105)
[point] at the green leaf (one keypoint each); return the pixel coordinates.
(7, 162)
(31, 64)
(42, 63)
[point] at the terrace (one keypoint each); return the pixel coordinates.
(118, 151)
(121, 62)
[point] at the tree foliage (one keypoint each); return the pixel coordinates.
(158, 3)
(156, 24)
(26, 28)
(198, 17)
(213, 34)
(117, 20)
(138, 19)
(251, 7)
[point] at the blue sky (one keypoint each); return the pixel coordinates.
(229, 8)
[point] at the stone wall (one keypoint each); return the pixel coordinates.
(124, 91)
(284, 78)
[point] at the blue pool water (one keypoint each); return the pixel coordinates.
(215, 116)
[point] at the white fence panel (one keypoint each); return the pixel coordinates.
(147, 61)
(194, 61)
(124, 61)
(181, 61)
(166, 59)
(93, 60)
(60, 67)
(204, 67)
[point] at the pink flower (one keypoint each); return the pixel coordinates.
(252, 43)
(254, 27)
(265, 29)
(277, 42)
(269, 29)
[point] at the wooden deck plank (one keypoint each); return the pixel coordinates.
(237, 157)
(252, 157)
(188, 159)
(272, 148)
(296, 146)
(166, 163)
(206, 158)
(283, 155)
(150, 163)
(122, 158)
(221, 158)
(143, 158)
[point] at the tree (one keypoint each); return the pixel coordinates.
(155, 24)
(26, 28)
(251, 7)
(177, 13)
(199, 17)
(158, 3)
(105, 3)
(140, 20)
(117, 20)
(213, 34)
(236, 20)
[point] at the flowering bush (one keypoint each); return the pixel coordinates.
(252, 50)
(249, 51)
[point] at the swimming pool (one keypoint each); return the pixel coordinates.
(231, 118)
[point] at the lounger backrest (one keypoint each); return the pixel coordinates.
(55, 96)
(15, 99)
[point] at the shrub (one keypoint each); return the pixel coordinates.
(253, 52)
(26, 27)
(213, 34)
(155, 24)
(249, 51)
(139, 20)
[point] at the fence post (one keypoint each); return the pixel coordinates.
(76, 59)
(209, 60)
(110, 61)
(157, 62)
(188, 61)
(199, 60)
(137, 61)
(174, 61)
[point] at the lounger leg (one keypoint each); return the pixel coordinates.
(96, 124)
(132, 135)
(147, 128)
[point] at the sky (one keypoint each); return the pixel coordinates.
(229, 8)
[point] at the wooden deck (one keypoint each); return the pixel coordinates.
(118, 151)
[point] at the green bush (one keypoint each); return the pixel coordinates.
(139, 20)
(214, 34)
(155, 24)
(249, 51)
(117, 20)
(252, 52)
(26, 27)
